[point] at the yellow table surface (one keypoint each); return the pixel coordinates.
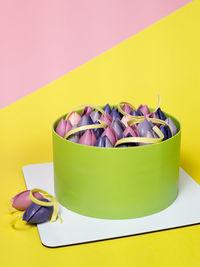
(163, 58)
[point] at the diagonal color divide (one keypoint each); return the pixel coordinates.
(43, 40)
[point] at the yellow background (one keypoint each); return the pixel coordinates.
(163, 58)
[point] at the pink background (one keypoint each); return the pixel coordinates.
(42, 40)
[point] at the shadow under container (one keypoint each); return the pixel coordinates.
(116, 183)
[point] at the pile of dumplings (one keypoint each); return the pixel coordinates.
(136, 126)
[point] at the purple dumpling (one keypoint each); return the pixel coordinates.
(118, 127)
(107, 142)
(95, 115)
(172, 125)
(115, 114)
(136, 113)
(100, 142)
(85, 120)
(143, 127)
(37, 213)
(119, 122)
(107, 109)
(166, 132)
(103, 141)
(149, 134)
(160, 115)
(98, 131)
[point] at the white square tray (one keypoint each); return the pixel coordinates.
(77, 229)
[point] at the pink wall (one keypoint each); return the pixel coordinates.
(42, 40)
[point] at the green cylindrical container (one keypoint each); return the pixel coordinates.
(116, 183)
